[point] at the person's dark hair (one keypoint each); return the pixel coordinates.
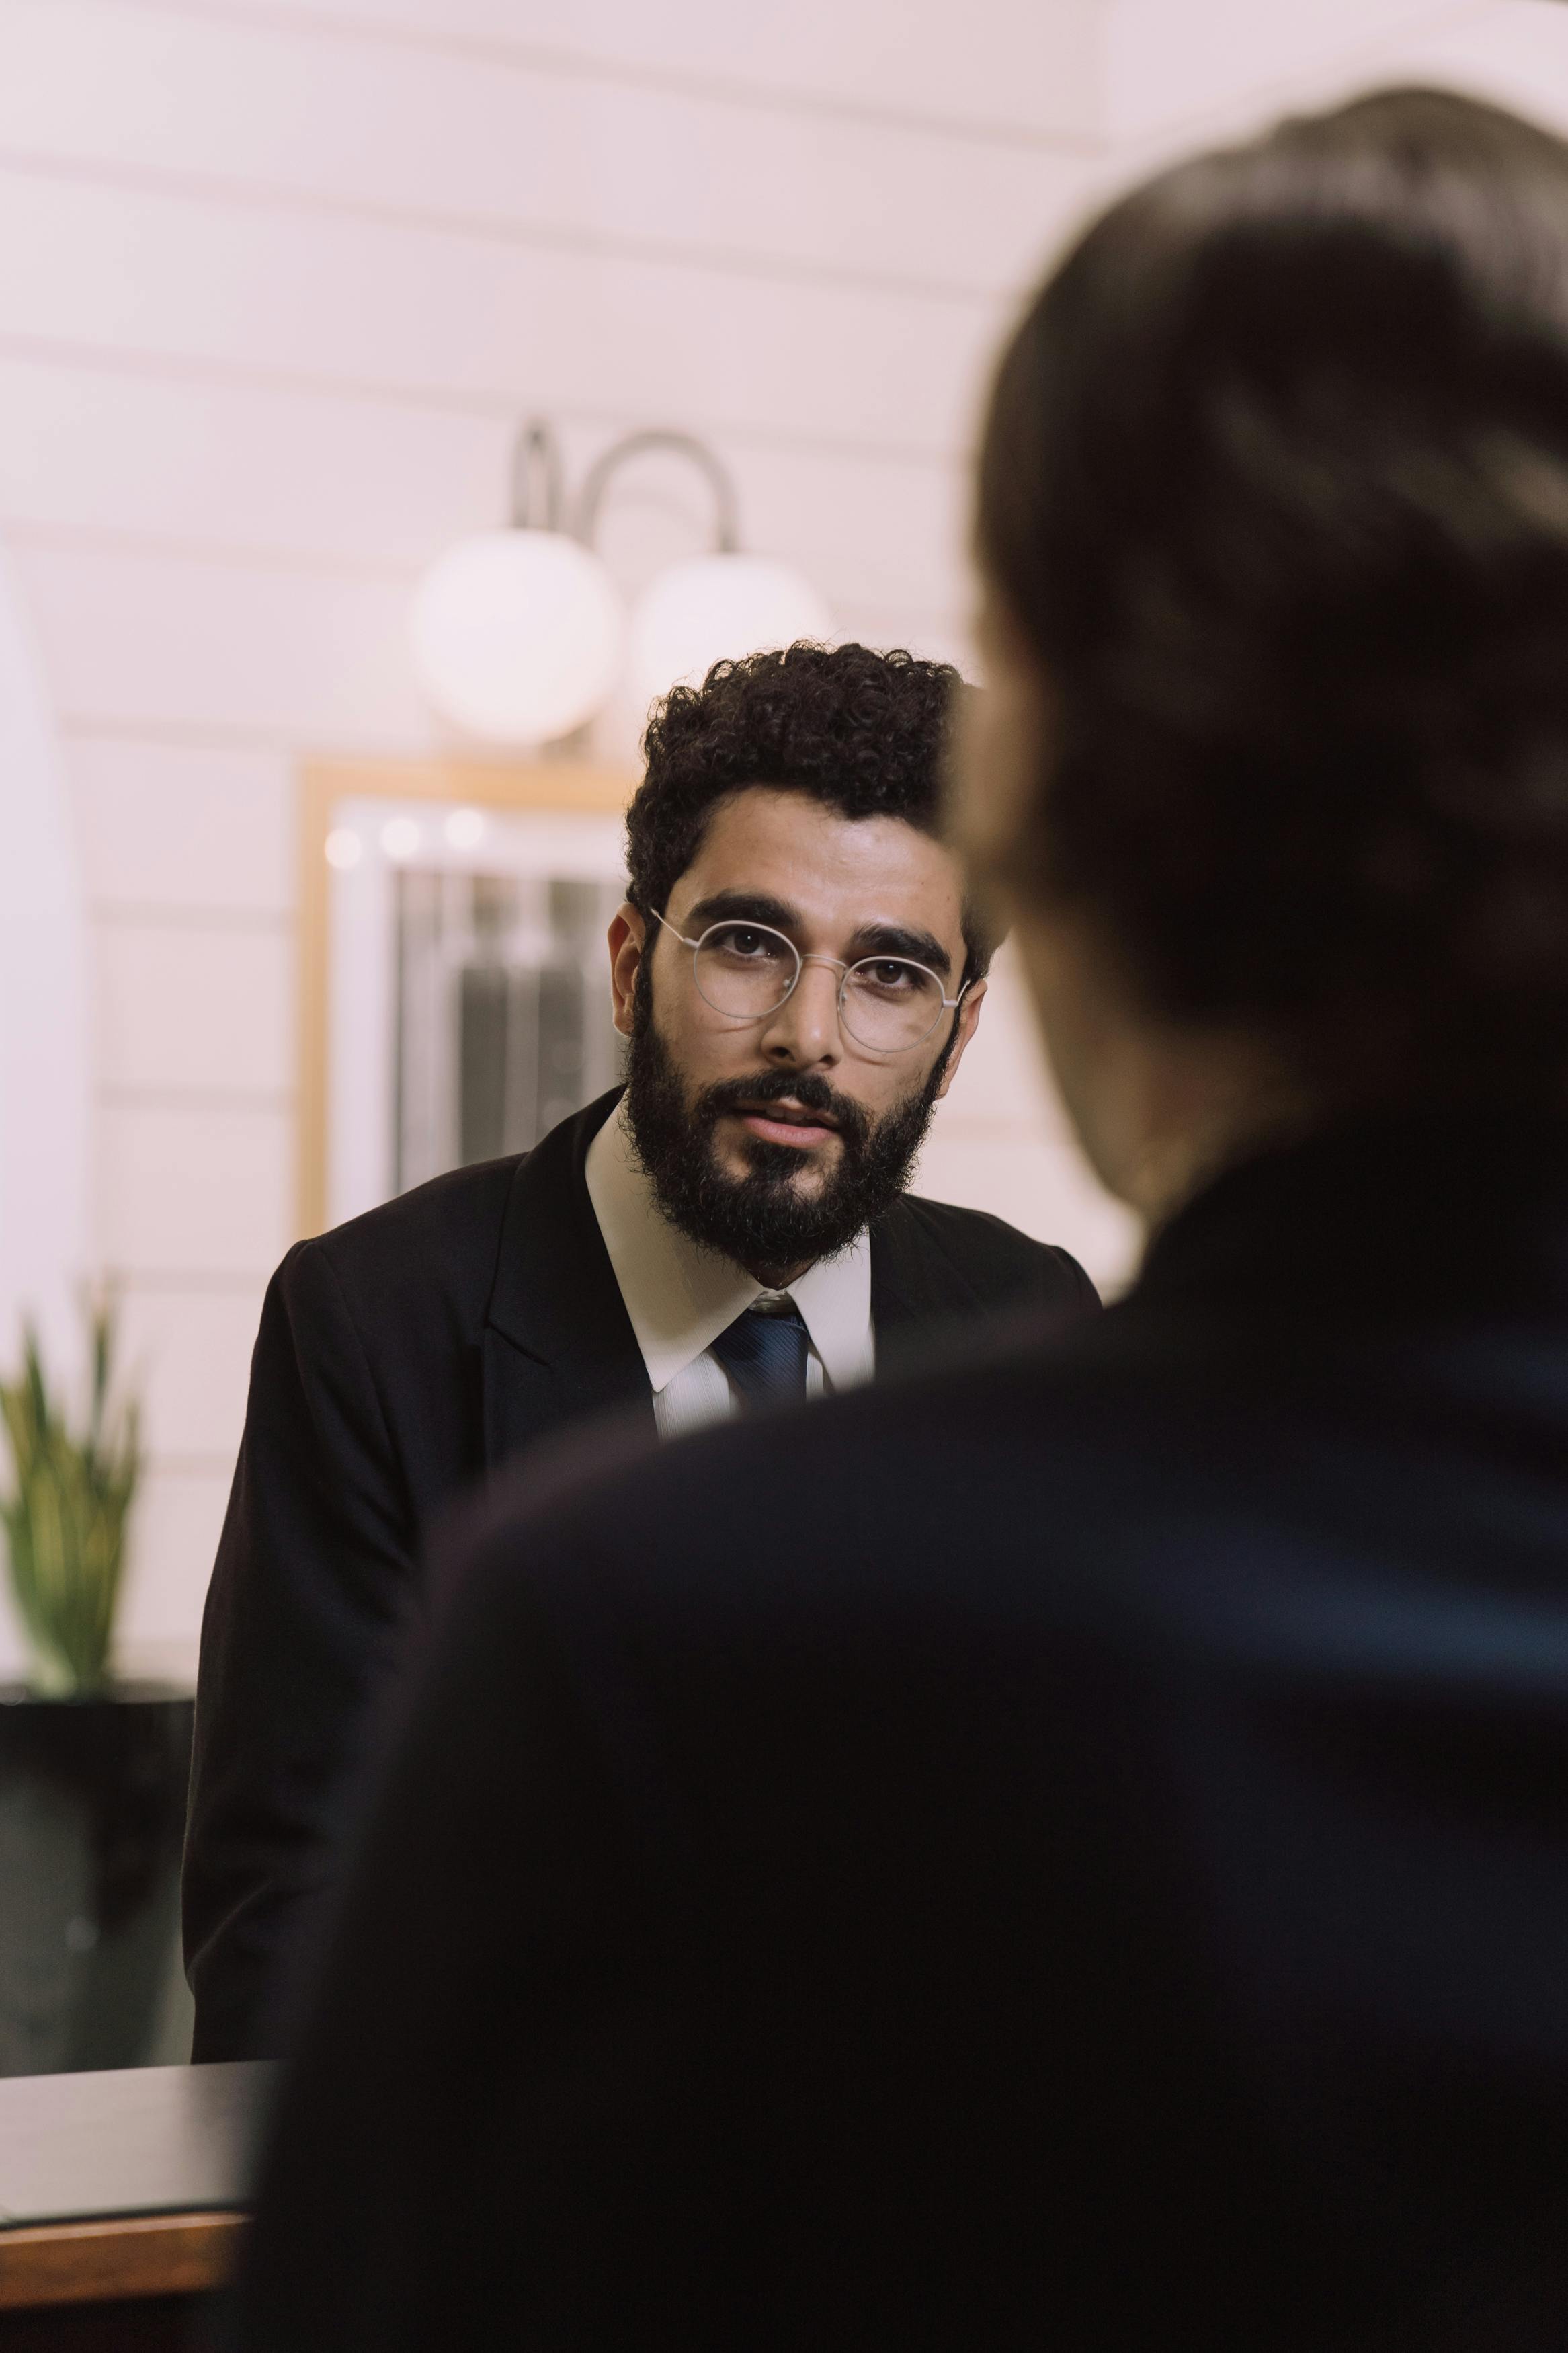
(1275, 488)
(867, 734)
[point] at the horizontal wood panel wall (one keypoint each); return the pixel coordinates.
(278, 278)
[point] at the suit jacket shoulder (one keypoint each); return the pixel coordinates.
(1000, 1262)
(442, 1238)
(938, 1272)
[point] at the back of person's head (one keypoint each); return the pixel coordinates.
(1274, 495)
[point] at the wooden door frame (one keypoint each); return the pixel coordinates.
(559, 786)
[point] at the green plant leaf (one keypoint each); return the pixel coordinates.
(65, 1522)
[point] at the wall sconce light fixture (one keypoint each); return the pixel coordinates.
(519, 636)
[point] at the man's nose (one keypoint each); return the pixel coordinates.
(805, 1029)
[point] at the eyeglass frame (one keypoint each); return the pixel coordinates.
(802, 959)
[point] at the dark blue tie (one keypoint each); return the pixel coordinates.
(764, 1355)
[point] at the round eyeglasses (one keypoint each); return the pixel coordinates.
(886, 1004)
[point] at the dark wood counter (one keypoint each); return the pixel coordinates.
(120, 2202)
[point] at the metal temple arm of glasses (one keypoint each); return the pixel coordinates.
(670, 927)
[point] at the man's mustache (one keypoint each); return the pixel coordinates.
(812, 1093)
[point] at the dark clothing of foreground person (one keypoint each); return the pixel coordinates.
(1073, 1851)
(400, 1359)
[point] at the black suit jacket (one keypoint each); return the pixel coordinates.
(400, 1359)
(1072, 1852)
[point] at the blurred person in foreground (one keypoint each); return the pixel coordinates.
(1073, 1851)
(797, 973)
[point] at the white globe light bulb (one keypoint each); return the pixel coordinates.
(518, 636)
(716, 608)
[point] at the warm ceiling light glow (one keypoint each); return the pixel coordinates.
(344, 849)
(465, 828)
(715, 608)
(400, 837)
(518, 635)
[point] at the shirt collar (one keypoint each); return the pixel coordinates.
(679, 1298)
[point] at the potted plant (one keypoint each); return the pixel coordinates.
(92, 1771)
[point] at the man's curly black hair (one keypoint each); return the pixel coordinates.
(865, 733)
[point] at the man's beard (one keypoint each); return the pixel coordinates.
(760, 1220)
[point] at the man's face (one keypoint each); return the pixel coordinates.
(769, 1134)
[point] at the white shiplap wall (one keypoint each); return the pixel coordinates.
(276, 283)
(277, 279)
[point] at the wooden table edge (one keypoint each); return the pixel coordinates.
(121, 2255)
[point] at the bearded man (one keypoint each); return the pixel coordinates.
(797, 976)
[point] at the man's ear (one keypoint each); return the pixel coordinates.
(968, 1021)
(626, 937)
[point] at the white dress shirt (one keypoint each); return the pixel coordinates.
(679, 1298)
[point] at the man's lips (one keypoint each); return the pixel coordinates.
(786, 1123)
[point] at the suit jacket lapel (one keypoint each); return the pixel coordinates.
(558, 1346)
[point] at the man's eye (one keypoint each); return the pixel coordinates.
(887, 973)
(747, 944)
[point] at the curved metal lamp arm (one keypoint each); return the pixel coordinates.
(685, 445)
(537, 490)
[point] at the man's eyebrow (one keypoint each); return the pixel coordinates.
(895, 939)
(740, 906)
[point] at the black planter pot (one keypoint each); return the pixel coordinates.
(92, 1811)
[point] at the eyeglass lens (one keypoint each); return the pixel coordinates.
(746, 970)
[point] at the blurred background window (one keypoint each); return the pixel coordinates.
(503, 1026)
(464, 1006)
